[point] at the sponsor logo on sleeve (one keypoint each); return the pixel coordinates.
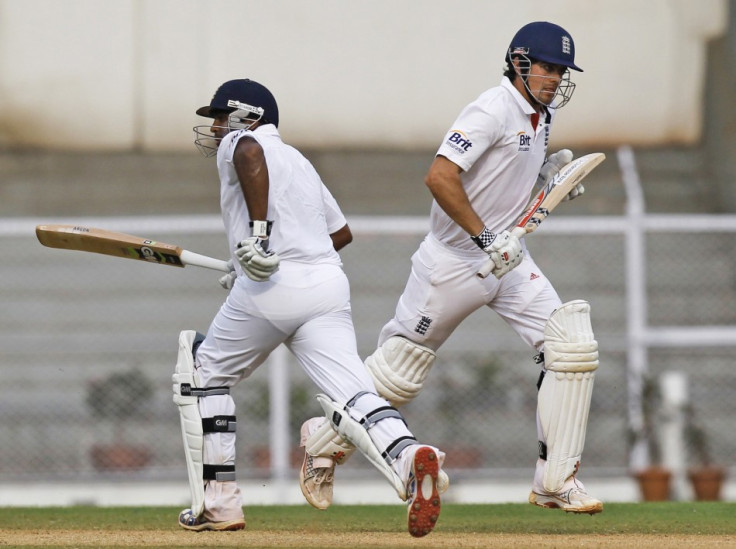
(458, 141)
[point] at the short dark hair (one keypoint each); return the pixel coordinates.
(510, 71)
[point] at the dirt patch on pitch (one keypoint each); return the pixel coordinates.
(161, 538)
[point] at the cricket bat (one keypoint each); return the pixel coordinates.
(548, 198)
(100, 241)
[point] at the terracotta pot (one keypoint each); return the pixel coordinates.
(119, 457)
(464, 457)
(654, 483)
(261, 457)
(707, 482)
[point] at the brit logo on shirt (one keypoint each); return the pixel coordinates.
(423, 325)
(525, 141)
(459, 141)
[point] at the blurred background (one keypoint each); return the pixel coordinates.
(98, 105)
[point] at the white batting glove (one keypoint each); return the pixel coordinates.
(577, 191)
(257, 263)
(552, 166)
(227, 281)
(504, 249)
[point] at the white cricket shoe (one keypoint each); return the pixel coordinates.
(422, 488)
(317, 475)
(572, 498)
(188, 521)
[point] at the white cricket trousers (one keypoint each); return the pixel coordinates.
(443, 290)
(308, 309)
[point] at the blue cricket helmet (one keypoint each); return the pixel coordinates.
(246, 91)
(545, 41)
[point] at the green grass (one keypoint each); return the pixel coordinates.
(693, 518)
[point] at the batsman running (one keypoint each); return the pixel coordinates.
(481, 179)
(288, 287)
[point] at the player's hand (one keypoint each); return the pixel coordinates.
(552, 166)
(577, 191)
(257, 263)
(227, 281)
(505, 252)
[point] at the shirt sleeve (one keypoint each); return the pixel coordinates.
(333, 215)
(474, 131)
(225, 153)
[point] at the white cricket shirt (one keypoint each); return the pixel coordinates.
(303, 210)
(500, 153)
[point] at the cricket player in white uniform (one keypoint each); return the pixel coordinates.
(288, 287)
(481, 179)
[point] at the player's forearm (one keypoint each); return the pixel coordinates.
(453, 200)
(444, 182)
(341, 238)
(459, 209)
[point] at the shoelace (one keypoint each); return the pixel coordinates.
(324, 474)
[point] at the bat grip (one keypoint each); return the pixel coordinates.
(191, 258)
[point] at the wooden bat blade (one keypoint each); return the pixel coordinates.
(556, 190)
(101, 241)
(549, 197)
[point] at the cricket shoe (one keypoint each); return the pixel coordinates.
(572, 498)
(423, 492)
(188, 521)
(317, 475)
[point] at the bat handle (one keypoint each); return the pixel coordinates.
(488, 266)
(191, 258)
(486, 269)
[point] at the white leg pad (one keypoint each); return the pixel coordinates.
(185, 378)
(325, 442)
(571, 358)
(399, 368)
(351, 430)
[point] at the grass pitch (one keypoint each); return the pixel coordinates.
(643, 525)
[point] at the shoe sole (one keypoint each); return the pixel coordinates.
(424, 511)
(549, 502)
(227, 526)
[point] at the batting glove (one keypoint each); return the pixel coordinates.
(504, 249)
(257, 263)
(577, 191)
(227, 281)
(554, 163)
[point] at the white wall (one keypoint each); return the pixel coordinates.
(121, 74)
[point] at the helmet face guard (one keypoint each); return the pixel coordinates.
(565, 87)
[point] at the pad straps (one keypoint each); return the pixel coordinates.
(220, 473)
(186, 389)
(219, 424)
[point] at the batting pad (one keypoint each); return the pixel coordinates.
(325, 442)
(399, 368)
(353, 431)
(571, 358)
(184, 379)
